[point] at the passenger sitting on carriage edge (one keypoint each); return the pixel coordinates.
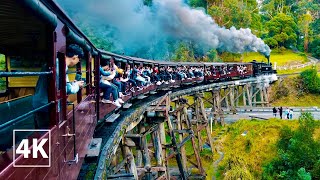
(139, 77)
(128, 73)
(40, 98)
(117, 76)
(108, 87)
(146, 73)
(155, 76)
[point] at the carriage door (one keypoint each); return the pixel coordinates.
(65, 126)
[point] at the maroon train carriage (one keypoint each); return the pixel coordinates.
(34, 34)
(194, 80)
(213, 71)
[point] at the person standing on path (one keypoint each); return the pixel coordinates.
(274, 110)
(290, 113)
(287, 113)
(280, 112)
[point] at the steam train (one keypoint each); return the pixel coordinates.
(36, 32)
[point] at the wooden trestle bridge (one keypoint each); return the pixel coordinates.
(151, 140)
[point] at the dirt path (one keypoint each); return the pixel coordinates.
(220, 152)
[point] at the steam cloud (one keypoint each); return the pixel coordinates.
(152, 32)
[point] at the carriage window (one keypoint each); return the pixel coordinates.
(83, 75)
(3, 81)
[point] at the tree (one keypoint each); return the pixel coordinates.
(183, 53)
(304, 24)
(314, 47)
(298, 152)
(198, 3)
(310, 80)
(282, 29)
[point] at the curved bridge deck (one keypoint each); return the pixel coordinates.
(113, 134)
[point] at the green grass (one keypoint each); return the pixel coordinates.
(2, 67)
(249, 153)
(293, 98)
(286, 57)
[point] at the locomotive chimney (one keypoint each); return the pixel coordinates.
(268, 57)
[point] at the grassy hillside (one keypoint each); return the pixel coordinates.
(246, 155)
(289, 92)
(286, 57)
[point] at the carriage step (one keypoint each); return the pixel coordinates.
(127, 105)
(141, 96)
(112, 118)
(94, 147)
(153, 92)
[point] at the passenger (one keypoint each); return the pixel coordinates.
(164, 75)
(121, 86)
(213, 70)
(180, 74)
(108, 88)
(40, 98)
(146, 73)
(155, 76)
(134, 75)
(171, 74)
(128, 73)
(139, 77)
(190, 73)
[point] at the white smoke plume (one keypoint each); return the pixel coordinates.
(265, 80)
(150, 32)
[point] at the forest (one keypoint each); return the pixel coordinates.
(281, 24)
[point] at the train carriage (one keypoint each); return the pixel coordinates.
(41, 40)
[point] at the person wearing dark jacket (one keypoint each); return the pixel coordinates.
(274, 110)
(280, 112)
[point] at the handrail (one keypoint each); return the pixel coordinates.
(14, 99)
(19, 118)
(75, 72)
(15, 74)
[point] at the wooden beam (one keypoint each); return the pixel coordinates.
(203, 111)
(196, 151)
(179, 128)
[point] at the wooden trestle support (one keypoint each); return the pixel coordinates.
(155, 147)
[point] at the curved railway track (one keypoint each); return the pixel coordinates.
(111, 134)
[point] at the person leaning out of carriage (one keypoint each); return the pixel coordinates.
(40, 98)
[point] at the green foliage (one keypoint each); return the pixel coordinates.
(2, 68)
(315, 26)
(198, 3)
(237, 168)
(314, 47)
(282, 29)
(236, 13)
(303, 175)
(184, 53)
(147, 2)
(311, 80)
(2, 62)
(298, 152)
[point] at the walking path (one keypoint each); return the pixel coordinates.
(220, 152)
